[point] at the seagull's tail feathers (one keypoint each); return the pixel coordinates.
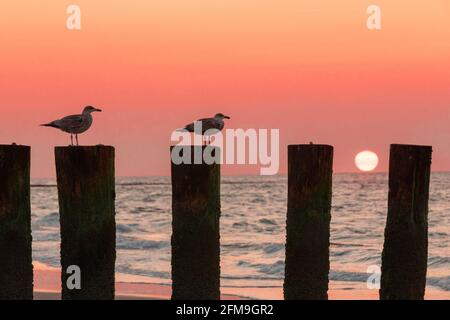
(188, 128)
(181, 130)
(51, 124)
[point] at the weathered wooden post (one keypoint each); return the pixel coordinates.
(195, 226)
(404, 259)
(16, 269)
(86, 192)
(310, 170)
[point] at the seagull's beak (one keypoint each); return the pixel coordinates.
(226, 117)
(98, 110)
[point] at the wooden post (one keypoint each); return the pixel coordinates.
(404, 259)
(195, 227)
(86, 192)
(310, 170)
(16, 269)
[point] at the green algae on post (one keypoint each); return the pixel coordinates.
(310, 169)
(195, 229)
(405, 251)
(86, 193)
(16, 269)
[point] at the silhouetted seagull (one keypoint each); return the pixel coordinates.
(74, 124)
(215, 125)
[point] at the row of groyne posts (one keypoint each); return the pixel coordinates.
(86, 193)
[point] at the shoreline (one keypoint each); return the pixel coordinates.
(129, 287)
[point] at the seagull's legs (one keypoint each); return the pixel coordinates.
(76, 137)
(71, 139)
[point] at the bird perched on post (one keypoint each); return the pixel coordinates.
(74, 124)
(212, 125)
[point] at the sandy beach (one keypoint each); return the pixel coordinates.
(47, 287)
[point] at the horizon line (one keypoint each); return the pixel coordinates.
(252, 175)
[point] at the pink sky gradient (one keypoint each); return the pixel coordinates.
(312, 70)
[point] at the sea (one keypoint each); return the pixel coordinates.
(252, 226)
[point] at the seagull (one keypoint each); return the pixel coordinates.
(214, 124)
(74, 124)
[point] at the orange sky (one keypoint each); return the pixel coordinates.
(313, 70)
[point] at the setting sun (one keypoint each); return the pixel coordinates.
(366, 161)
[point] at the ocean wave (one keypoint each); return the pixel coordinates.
(276, 268)
(126, 269)
(251, 277)
(252, 227)
(135, 244)
(346, 245)
(442, 283)
(258, 200)
(240, 224)
(241, 246)
(273, 248)
(51, 219)
(348, 276)
(267, 184)
(268, 222)
(43, 186)
(438, 261)
(123, 228)
(339, 253)
(146, 209)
